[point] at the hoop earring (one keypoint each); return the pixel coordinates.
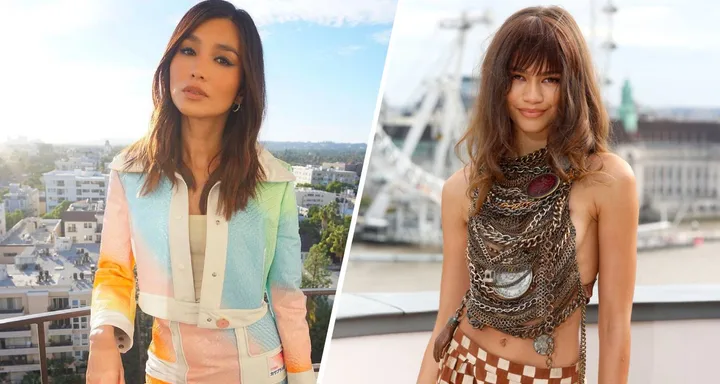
(236, 107)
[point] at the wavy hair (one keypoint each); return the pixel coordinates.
(160, 151)
(540, 39)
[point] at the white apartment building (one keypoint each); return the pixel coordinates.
(23, 198)
(308, 197)
(38, 279)
(323, 176)
(73, 186)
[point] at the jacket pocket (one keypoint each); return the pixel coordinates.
(263, 336)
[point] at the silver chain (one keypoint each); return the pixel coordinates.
(514, 231)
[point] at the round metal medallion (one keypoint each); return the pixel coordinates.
(542, 185)
(544, 344)
(511, 285)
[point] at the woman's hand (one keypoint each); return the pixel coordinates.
(104, 363)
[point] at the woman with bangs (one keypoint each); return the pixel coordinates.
(207, 219)
(541, 212)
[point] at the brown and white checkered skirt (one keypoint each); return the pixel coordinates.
(466, 363)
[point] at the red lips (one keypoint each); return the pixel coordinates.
(194, 91)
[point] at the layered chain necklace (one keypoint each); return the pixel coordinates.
(521, 256)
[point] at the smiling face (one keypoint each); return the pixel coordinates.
(533, 99)
(206, 70)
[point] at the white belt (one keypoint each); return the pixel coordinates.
(168, 308)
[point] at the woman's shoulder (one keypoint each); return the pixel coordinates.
(275, 169)
(458, 182)
(610, 168)
(455, 190)
(611, 179)
(121, 163)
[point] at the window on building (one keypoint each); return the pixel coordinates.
(60, 183)
(71, 228)
(11, 304)
(59, 302)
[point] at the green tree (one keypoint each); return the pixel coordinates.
(337, 239)
(328, 214)
(31, 378)
(58, 210)
(13, 218)
(309, 232)
(334, 187)
(316, 273)
(319, 323)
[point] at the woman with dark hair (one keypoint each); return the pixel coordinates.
(209, 219)
(541, 210)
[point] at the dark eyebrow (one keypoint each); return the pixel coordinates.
(222, 47)
(546, 73)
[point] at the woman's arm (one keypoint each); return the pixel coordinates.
(455, 276)
(617, 213)
(287, 300)
(113, 295)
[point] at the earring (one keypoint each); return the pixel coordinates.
(236, 107)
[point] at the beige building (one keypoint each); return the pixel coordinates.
(82, 222)
(36, 278)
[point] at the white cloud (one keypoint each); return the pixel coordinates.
(382, 37)
(325, 12)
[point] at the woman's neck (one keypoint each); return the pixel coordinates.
(201, 141)
(526, 143)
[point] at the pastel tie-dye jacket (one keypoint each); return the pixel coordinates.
(229, 335)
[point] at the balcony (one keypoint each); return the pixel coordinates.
(12, 311)
(58, 307)
(19, 365)
(18, 350)
(56, 315)
(23, 331)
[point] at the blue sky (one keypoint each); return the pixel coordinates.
(81, 70)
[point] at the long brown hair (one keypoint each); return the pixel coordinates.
(160, 152)
(544, 39)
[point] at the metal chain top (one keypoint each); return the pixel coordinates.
(530, 243)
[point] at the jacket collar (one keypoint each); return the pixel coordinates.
(275, 170)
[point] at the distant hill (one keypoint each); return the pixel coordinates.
(310, 146)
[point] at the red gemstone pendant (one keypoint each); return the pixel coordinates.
(543, 185)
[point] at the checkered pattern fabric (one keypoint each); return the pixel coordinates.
(466, 363)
